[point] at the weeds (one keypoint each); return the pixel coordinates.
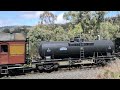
(111, 71)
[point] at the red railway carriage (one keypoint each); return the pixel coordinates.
(12, 48)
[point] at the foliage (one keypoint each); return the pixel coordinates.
(36, 35)
(23, 30)
(6, 30)
(108, 30)
(60, 34)
(76, 31)
(111, 71)
(47, 18)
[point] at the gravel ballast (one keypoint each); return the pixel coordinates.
(62, 74)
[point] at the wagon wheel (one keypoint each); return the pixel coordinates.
(40, 68)
(56, 66)
(48, 67)
(101, 62)
(81, 66)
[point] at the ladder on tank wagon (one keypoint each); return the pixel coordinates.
(81, 53)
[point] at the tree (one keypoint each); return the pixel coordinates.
(6, 30)
(16, 30)
(77, 30)
(108, 30)
(47, 18)
(76, 17)
(60, 34)
(22, 29)
(100, 18)
(89, 20)
(36, 35)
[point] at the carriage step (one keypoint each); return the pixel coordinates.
(4, 70)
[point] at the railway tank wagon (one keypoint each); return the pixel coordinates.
(61, 50)
(76, 52)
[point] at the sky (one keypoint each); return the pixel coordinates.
(31, 18)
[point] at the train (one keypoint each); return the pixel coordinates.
(14, 52)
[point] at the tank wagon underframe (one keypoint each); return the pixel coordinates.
(76, 52)
(54, 64)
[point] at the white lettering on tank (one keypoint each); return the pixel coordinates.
(63, 48)
(48, 50)
(109, 47)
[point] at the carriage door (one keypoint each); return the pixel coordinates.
(4, 53)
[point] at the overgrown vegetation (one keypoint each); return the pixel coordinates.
(112, 71)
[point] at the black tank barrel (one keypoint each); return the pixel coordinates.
(67, 49)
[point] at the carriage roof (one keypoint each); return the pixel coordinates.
(12, 37)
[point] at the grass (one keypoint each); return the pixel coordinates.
(111, 71)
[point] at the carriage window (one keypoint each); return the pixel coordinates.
(4, 48)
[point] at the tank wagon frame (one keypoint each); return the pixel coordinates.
(54, 64)
(48, 61)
